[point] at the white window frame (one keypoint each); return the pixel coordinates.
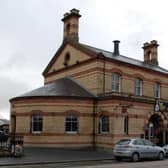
(104, 123)
(156, 89)
(116, 82)
(71, 122)
(39, 120)
(138, 86)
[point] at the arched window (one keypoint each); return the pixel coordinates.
(66, 59)
(71, 124)
(104, 124)
(36, 123)
(116, 79)
(138, 87)
(149, 55)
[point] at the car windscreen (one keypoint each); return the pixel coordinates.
(124, 142)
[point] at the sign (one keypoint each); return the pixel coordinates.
(161, 106)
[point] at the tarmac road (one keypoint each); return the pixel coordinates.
(99, 164)
(64, 158)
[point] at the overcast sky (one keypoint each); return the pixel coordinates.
(31, 31)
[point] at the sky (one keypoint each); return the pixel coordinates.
(31, 31)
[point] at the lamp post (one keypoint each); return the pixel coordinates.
(150, 130)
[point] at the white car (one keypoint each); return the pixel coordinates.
(165, 147)
(137, 149)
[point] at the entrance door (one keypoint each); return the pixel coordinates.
(155, 129)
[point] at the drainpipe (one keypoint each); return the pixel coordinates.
(94, 123)
(104, 74)
(101, 55)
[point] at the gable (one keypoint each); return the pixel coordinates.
(75, 56)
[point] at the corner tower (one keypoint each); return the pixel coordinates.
(71, 25)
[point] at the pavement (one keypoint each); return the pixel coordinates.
(55, 155)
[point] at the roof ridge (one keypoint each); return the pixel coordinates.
(111, 52)
(126, 59)
(96, 48)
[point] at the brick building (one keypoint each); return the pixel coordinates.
(93, 98)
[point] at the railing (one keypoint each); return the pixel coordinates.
(11, 145)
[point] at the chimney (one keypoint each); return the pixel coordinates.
(150, 52)
(116, 48)
(71, 25)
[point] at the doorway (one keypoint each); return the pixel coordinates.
(155, 130)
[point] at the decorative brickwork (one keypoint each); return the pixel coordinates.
(90, 70)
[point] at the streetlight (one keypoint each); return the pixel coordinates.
(150, 130)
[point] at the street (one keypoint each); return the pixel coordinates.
(99, 164)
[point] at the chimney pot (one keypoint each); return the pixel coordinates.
(146, 44)
(75, 11)
(153, 42)
(116, 47)
(66, 14)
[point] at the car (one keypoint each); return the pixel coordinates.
(165, 147)
(137, 149)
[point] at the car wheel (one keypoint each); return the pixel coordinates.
(118, 158)
(135, 157)
(161, 156)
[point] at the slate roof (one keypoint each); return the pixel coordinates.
(125, 59)
(67, 87)
(93, 52)
(64, 87)
(4, 122)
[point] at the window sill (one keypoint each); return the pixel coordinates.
(104, 133)
(36, 132)
(71, 133)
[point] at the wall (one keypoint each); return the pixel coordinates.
(75, 55)
(129, 74)
(54, 112)
(92, 74)
(137, 113)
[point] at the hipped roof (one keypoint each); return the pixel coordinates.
(64, 87)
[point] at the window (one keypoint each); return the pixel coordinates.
(124, 142)
(36, 123)
(71, 124)
(146, 142)
(138, 87)
(66, 59)
(104, 124)
(157, 90)
(116, 82)
(138, 142)
(149, 55)
(126, 124)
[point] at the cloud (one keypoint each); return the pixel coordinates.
(31, 31)
(10, 88)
